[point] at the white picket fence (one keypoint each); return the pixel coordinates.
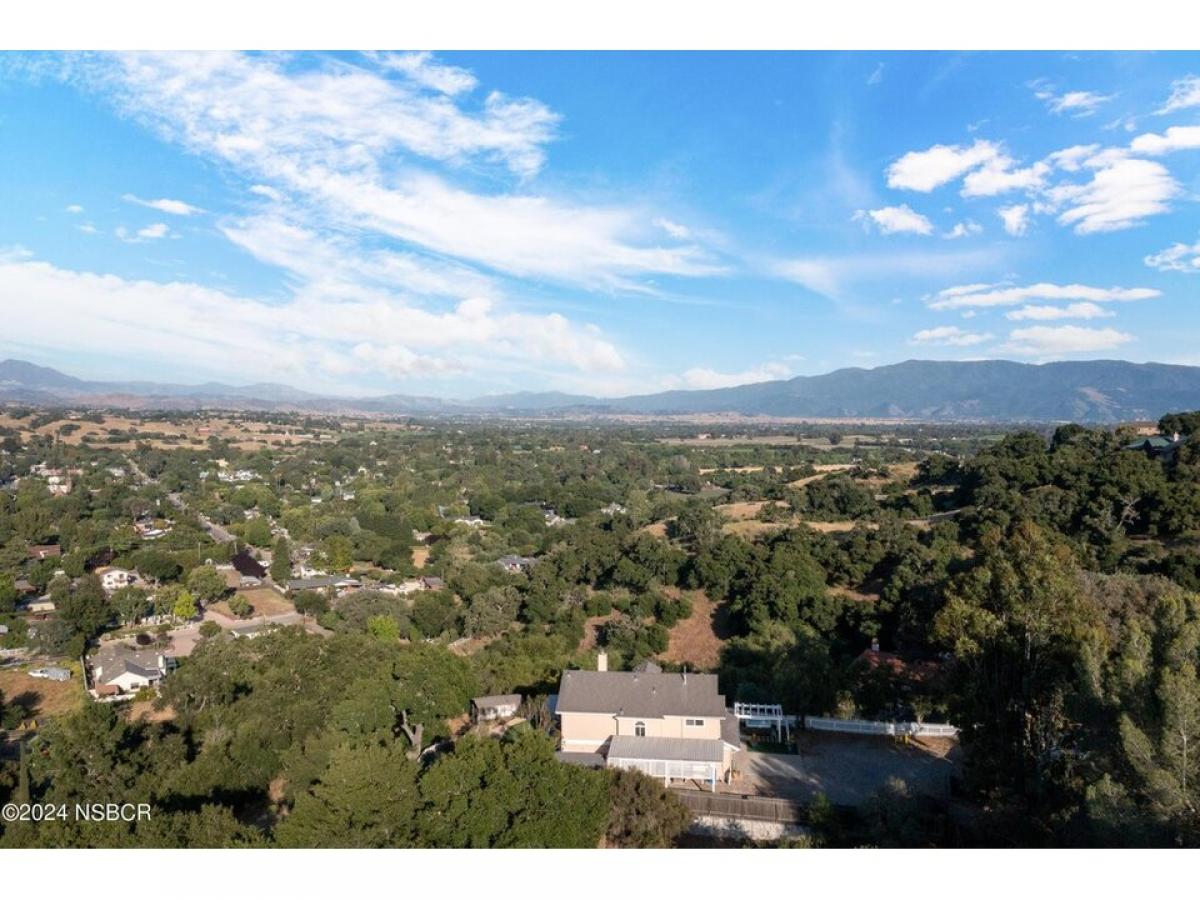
(893, 729)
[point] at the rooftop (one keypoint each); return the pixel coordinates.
(628, 746)
(651, 694)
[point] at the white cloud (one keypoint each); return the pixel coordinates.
(949, 336)
(1057, 340)
(707, 379)
(166, 205)
(1185, 93)
(74, 209)
(985, 295)
(343, 142)
(1070, 311)
(925, 170)
(963, 229)
(87, 228)
(424, 70)
(1015, 218)
(315, 334)
(1176, 258)
(1071, 159)
(1121, 194)
(674, 229)
(1177, 137)
(1076, 103)
(153, 232)
(998, 177)
(896, 220)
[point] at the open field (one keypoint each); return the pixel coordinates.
(751, 528)
(246, 435)
(42, 696)
(420, 556)
(823, 469)
(266, 602)
(747, 509)
(697, 640)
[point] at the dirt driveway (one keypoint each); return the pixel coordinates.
(847, 769)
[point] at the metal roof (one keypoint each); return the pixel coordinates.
(628, 746)
(650, 694)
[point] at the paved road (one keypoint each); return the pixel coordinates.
(215, 531)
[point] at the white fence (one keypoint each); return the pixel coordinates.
(894, 729)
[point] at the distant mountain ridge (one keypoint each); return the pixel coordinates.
(925, 390)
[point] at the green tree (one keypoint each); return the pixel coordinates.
(281, 562)
(206, 584)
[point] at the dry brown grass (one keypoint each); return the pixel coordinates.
(658, 529)
(697, 640)
(833, 527)
(747, 509)
(751, 528)
(266, 602)
(144, 711)
(591, 630)
(420, 556)
(42, 696)
(245, 435)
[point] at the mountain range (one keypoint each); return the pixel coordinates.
(925, 390)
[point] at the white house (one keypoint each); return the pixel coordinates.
(114, 578)
(121, 668)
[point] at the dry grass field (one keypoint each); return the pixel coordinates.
(266, 602)
(245, 435)
(697, 640)
(749, 529)
(45, 697)
(420, 556)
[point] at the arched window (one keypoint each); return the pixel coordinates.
(640, 729)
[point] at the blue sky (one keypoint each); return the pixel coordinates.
(467, 223)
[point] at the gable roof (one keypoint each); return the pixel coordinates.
(496, 700)
(650, 694)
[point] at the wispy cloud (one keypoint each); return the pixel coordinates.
(165, 205)
(1070, 311)
(1074, 103)
(346, 140)
(1185, 94)
(1178, 257)
(949, 336)
(985, 295)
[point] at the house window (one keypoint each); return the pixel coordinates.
(640, 729)
(694, 723)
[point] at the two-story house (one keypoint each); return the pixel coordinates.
(670, 725)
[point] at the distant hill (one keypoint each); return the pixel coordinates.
(986, 390)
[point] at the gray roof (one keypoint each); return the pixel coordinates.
(115, 659)
(322, 581)
(628, 746)
(496, 700)
(650, 694)
(731, 733)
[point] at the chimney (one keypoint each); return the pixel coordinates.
(875, 644)
(685, 674)
(602, 661)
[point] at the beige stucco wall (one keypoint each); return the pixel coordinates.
(593, 729)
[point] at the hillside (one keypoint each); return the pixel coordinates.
(985, 390)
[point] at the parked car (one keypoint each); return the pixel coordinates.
(54, 673)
